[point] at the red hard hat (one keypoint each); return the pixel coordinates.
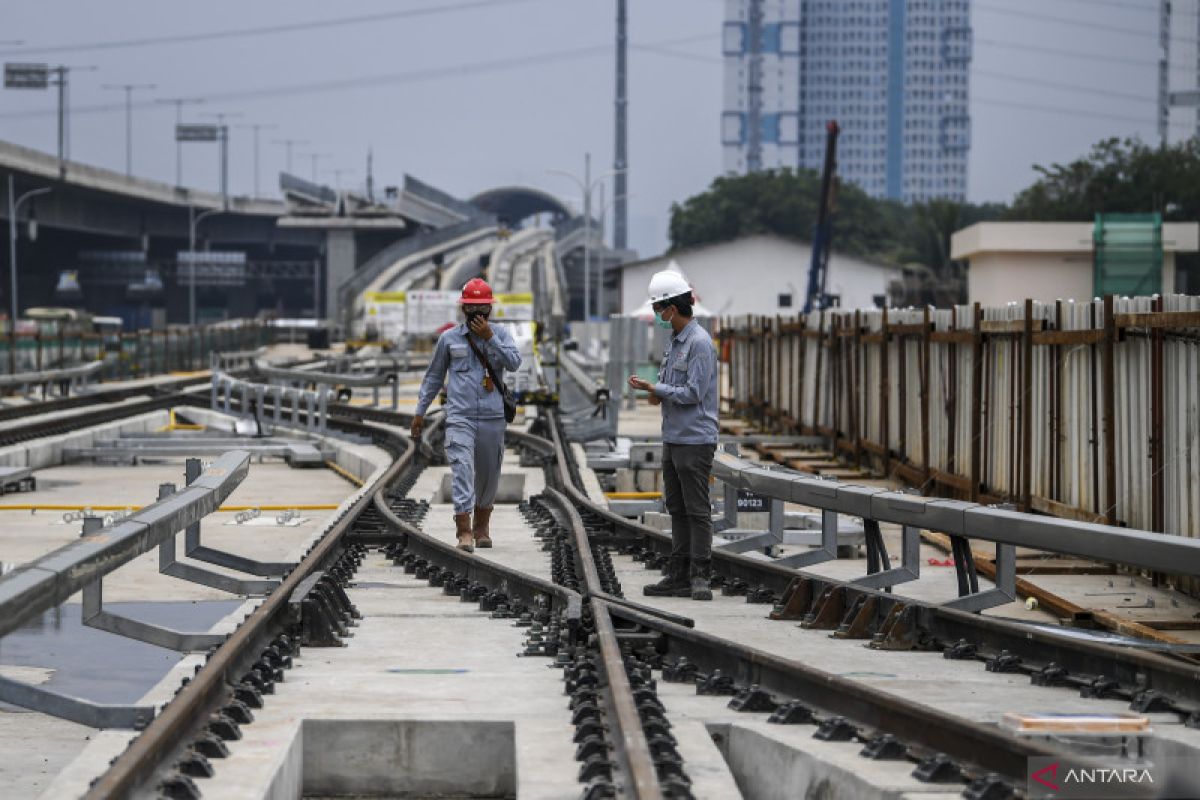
(477, 293)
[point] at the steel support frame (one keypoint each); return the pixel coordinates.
(74, 709)
(1005, 590)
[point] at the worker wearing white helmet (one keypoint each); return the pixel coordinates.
(687, 392)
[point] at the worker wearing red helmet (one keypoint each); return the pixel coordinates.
(474, 410)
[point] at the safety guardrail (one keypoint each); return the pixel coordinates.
(1006, 528)
(315, 405)
(73, 377)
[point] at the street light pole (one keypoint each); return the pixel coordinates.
(193, 221)
(14, 205)
(586, 186)
(179, 103)
(256, 127)
(287, 144)
(128, 88)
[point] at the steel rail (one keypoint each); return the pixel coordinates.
(1130, 666)
(210, 686)
(985, 747)
(632, 749)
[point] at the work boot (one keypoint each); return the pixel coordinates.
(675, 584)
(481, 529)
(700, 587)
(462, 525)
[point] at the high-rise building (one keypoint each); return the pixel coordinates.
(893, 73)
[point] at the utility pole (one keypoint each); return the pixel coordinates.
(621, 161)
(1164, 66)
(179, 103)
(287, 144)
(256, 127)
(128, 89)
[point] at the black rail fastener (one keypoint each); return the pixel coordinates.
(884, 747)
(792, 712)
(224, 727)
(1101, 688)
(248, 694)
(600, 789)
(178, 786)
(735, 587)
(238, 711)
(194, 764)
(989, 787)
(716, 684)
(598, 766)
(836, 729)
(1051, 675)
(1005, 662)
(210, 745)
(682, 671)
(753, 699)
(938, 768)
(1151, 701)
(962, 650)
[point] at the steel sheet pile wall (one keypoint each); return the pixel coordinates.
(1083, 410)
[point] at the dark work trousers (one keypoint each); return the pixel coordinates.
(686, 471)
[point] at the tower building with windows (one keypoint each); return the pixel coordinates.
(893, 73)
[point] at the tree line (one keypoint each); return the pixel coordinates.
(1116, 175)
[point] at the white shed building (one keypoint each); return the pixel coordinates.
(761, 274)
(1048, 261)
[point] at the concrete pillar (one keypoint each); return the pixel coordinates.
(340, 260)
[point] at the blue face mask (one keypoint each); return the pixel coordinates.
(660, 322)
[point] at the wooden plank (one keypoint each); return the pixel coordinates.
(873, 447)
(1057, 509)
(911, 475)
(1159, 319)
(1068, 337)
(872, 338)
(1059, 606)
(959, 482)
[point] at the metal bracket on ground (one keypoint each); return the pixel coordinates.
(168, 564)
(1005, 590)
(910, 559)
(74, 709)
(193, 549)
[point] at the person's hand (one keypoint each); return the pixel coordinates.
(418, 425)
(479, 326)
(640, 384)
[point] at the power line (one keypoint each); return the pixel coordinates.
(264, 30)
(1071, 112)
(435, 73)
(1039, 82)
(1078, 23)
(1032, 48)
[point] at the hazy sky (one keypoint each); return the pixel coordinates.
(470, 94)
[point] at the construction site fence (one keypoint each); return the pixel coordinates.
(1089, 411)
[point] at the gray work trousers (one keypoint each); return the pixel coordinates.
(475, 450)
(686, 471)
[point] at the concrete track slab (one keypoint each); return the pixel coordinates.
(417, 654)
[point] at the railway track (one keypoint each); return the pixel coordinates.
(610, 647)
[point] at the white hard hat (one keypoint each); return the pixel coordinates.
(667, 284)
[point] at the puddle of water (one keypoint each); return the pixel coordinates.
(99, 666)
